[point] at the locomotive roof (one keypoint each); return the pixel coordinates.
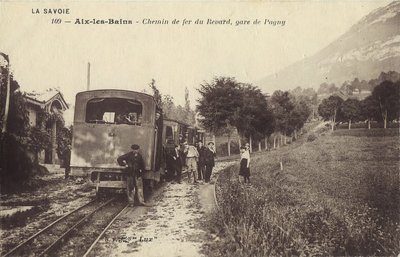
(122, 91)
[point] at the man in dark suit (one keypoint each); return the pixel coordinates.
(177, 156)
(135, 166)
(201, 163)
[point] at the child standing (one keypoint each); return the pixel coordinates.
(244, 164)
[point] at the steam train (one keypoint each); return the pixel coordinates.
(108, 122)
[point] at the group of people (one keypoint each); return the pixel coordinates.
(198, 160)
(131, 118)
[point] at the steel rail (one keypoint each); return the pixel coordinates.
(16, 248)
(60, 238)
(215, 193)
(104, 231)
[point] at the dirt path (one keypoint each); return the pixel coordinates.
(172, 227)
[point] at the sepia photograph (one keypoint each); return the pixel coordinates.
(183, 128)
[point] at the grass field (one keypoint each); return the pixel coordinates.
(336, 195)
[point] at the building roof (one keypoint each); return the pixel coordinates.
(43, 99)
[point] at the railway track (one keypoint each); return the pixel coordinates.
(75, 233)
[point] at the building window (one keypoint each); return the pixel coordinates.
(114, 111)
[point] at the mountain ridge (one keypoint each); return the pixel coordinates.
(369, 47)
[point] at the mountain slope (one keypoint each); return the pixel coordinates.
(368, 48)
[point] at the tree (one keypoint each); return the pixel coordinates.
(329, 109)
(168, 106)
(220, 101)
(282, 106)
(351, 110)
(254, 118)
(299, 115)
(307, 96)
(326, 88)
(369, 108)
(156, 93)
(188, 112)
(347, 87)
(15, 164)
(387, 95)
(227, 105)
(38, 140)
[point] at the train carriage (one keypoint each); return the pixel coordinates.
(176, 132)
(106, 124)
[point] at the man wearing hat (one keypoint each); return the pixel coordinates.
(135, 163)
(177, 157)
(201, 163)
(209, 154)
(191, 161)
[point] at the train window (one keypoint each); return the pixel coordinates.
(169, 134)
(114, 111)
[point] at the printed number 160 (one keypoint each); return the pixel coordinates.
(56, 21)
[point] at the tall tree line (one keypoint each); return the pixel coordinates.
(351, 87)
(170, 109)
(227, 104)
(383, 105)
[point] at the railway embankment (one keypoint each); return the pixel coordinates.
(336, 193)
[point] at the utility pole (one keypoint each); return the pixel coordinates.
(6, 108)
(88, 77)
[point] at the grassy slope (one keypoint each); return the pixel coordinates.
(337, 195)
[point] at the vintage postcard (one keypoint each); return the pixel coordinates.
(199, 128)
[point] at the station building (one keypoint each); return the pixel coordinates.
(51, 101)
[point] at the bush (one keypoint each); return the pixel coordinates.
(222, 149)
(64, 140)
(311, 137)
(15, 164)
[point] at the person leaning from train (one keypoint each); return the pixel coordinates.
(192, 156)
(209, 161)
(177, 157)
(202, 162)
(135, 163)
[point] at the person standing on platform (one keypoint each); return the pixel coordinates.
(202, 163)
(177, 163)
(244, 164)
(135, 166)
(192, 156)
(67, 161)
(209, 155)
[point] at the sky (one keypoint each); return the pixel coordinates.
(44, 55)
